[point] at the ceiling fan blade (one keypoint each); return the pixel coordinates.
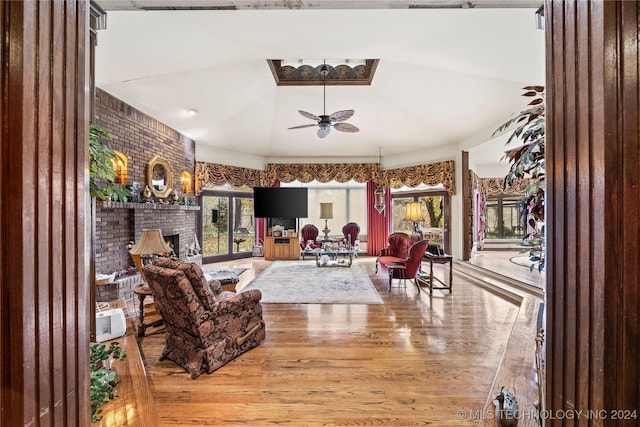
(309, 115)
(303, 126)
(341, 116)
(323, 131)
(346, 127)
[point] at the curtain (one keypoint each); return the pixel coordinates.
(378, 224)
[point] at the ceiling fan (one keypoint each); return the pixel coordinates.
(325, 122)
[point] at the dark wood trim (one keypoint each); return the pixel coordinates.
(467, 203)
(44, 259)
(593, 197)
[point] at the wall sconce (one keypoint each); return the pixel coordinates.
(120, 167)
(185, 179)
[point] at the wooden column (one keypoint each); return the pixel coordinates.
(467, 208)
(593, 204)
(43, 214)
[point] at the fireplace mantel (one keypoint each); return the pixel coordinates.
(129, 205)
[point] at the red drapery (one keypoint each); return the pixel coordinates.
(378, 224)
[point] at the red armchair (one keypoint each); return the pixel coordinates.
(351, 230)
(309, 232)
(397, 250)
(407, 268)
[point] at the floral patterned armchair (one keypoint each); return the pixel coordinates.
(205, 329)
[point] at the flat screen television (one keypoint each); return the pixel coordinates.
(280, 202)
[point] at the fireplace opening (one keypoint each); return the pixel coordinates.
(173, 241)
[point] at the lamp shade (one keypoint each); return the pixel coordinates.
(151, 242)
(326, 210)
(413, 212)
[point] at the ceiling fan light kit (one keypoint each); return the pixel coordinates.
(326, 122)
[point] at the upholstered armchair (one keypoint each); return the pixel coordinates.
(204, 329)
(309, 232)
(407, 268)
(396, 250)
(351, 230)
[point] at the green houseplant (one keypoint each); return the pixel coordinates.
(527, 161)
(102, 170)
(103, 379)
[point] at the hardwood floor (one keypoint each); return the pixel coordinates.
(414, 360)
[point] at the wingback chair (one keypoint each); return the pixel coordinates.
(351, 230)
(205, 330)
(396, 250)
(309, 232)
(407, 268)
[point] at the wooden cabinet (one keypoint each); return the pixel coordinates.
(276, 248)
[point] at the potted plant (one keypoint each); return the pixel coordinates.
(102, 170)
(527, 160)
(103, 379)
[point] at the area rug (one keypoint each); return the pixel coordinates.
(302, 282)
(224, 275)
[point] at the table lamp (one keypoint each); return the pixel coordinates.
(414, 213)
(150, 243)
(326, 213)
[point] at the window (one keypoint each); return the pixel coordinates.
(227, 228)
(349, 205)
(506, 217)
(435, 211)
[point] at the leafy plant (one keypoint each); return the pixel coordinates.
(102, 168)
(527, 160)
(103, 379)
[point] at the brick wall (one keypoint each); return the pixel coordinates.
(140, 138)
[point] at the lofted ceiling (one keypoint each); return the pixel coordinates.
(449, 73)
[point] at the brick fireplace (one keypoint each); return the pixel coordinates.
(140, 138)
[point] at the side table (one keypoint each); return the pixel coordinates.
(143, 292)
(437, 259)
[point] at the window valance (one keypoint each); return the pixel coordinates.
(213, 174)
(495, 186)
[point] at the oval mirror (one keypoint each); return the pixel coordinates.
(159, 177)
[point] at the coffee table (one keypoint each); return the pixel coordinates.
(337, 257)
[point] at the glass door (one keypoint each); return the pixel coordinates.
(215, 226)
(227, 226)
(506, 217)
(435, 211)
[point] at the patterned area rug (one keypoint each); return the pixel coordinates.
(302, 282)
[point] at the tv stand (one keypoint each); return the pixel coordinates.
(281, 248)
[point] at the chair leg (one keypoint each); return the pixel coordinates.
(417, 285)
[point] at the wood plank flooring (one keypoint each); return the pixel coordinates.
(415, 360)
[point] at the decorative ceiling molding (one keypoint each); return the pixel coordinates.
(308, 75)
